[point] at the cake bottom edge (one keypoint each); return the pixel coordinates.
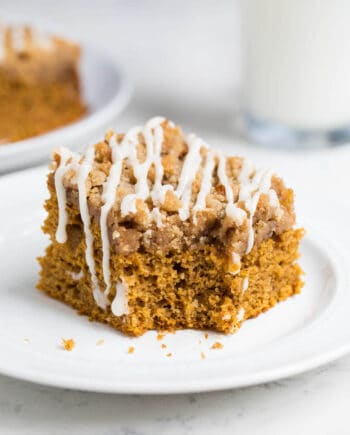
(184, 290)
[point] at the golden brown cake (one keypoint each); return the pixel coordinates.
(39, 83)
(155, 230)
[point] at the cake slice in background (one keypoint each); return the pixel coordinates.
(155, 230)
(39, 83)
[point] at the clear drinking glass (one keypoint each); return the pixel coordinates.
(296, 72)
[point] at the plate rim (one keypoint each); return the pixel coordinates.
(191, 387)
(305, 363)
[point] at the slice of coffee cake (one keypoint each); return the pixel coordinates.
(39, 83)
(155, 230)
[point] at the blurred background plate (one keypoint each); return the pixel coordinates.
(106, 91)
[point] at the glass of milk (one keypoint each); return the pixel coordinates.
(296, 71)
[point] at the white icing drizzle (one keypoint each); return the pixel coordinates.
(159, 190)
(18, 39)
(153, 135)
(119, 152)
(127, 150)
(41, 40)
(61, 233)
(273, 198)
(232, 210)
(188, 173)
(22, 38)
(244, 178)
(128, 204)
(240, 314)
(245, 284)
(84, 170)
(260, 183)
(157, 217)
(236, 260)
(251, 185)
(205, 185)
(2, 43)
(76, 275)
(119, 305)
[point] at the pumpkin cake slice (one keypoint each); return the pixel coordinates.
(39, 83)
(153, 229)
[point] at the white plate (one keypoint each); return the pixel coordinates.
(106, 91)
(304, 332)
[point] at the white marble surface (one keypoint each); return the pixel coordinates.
(192, 82)
(316, 402)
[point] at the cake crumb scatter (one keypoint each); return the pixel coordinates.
(217, 345)
(169, 354)
(206, 335)
(160, 336)
(163, 346)
(202, 355)
(131, 349)
(100, 342)
(68, 344)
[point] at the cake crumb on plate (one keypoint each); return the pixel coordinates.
(217, 345)
(131, 349)
(100, 342)
(68, 344)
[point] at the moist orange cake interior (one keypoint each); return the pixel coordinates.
(39, 83)
(153, 229)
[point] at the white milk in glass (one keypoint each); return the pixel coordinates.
(296, 62)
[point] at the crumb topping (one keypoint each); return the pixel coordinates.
(21, 41)
(33, 57)
(149, 196)
(158, 190)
